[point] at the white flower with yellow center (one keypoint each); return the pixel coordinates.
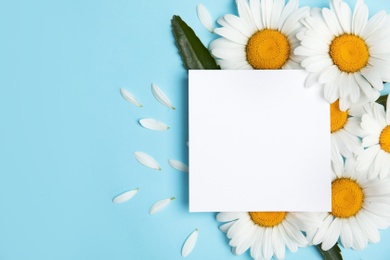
(263, 36)
(376, 158)
(267, 233)
(346, 51)
(345, 131)
(360, 207)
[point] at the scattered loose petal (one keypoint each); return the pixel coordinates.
(178, 165)
(125, 196)
(153, 124)
(161, 97)
(205, 17)
(160, 205)
(147, 160)
(129, 97)
(189, 244)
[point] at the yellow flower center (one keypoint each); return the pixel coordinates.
(267, 49)
(349, 52)
(338, 118)
(267, 219)
(384, 139)
(347, 198)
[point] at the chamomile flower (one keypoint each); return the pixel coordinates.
(267, 233)
(376, 157)
(346, 51)
(345, 131)
(262, 36)
(359, 208)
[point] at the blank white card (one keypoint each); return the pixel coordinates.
(258, 141)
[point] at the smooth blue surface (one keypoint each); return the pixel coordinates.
(67, 136)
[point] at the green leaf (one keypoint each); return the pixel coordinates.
(332, 254)
(382, 100)
(193, 53)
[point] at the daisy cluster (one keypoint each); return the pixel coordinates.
(347, 51)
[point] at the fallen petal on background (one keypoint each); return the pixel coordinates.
(161, 97)
(153, 124)
(129, 97)
(147, 160)
(160, 205)
(125, 196)
(205, 17)
(189, 244)
(178, 165)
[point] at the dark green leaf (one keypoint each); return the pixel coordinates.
(332, 254)
(382, 100)
(193, 53)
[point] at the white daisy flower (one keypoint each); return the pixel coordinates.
(267, 233)
(346, 51)
(376, 158)
(345, 131)
(262, 36)
(359, 208)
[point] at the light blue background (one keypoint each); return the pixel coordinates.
(67, 136)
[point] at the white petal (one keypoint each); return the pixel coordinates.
(278, 243)
(368, 228)
(388, 110)
(256, 248)
(245, 13)
(359, 18)
(373, 77)
(153, 124)
(225, 43)
(277, 8)
(331, 21)
(237, 230)
(230, 216)
(248, 239)
(370, 124)
(229, 53)
(225, 227)
(316, 63)
(267, 243)
(232, 35)
(147, 160)
(370, 140)
(288, 9)
(379, 163)
(255, 10)
(331, 93)
(345, 16)
(373, 24)
(329, 74)
(346, 234)
(189, 244)
(129, 97)
(321, 232)
(363, 84)
(239, 24)
(178, 165)
(161, 97)
(205, 17)
(332, 234)
(311, 79)
(366, 158)
(359, 240)
(160, 205)
(294, 232)
(125, 196)
(287, 241)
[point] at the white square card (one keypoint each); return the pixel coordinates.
(258, 141)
